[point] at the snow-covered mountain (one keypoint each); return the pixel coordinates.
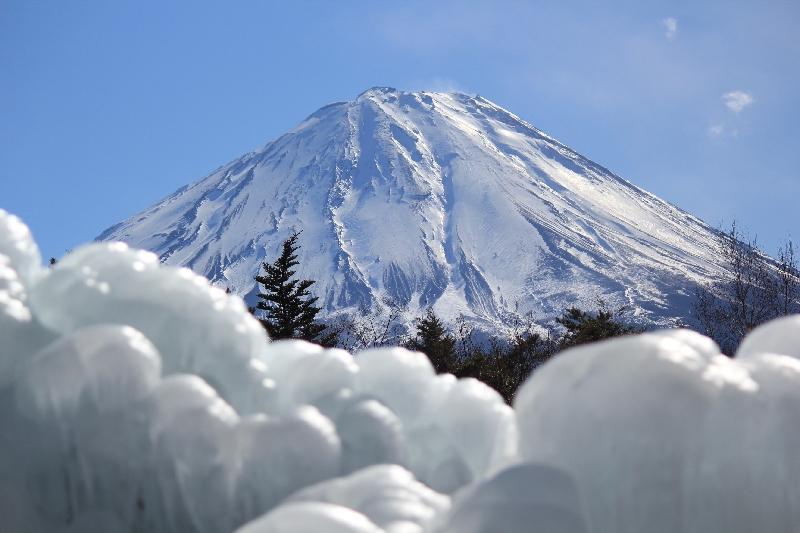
(433, 199)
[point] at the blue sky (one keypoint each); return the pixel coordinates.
(106, 107)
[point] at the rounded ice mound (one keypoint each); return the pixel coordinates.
(16, 243)
(11, 287)
(97, 369)
(77, 445)
(401, 379)
(623, 417)
(371, 434)
(307, 373)
(185, 480)
(466, 432)
(747, 477)
(277, 456)
(781, 336)
(455, 430)
(662, 434)
(21, 333)
(388, 495)
(479, 424)
(311, 518)
(702, 345)
(180, 397)
(197, 328)
(519, 499)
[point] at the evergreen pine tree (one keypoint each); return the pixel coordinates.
(583, 327)
(288, 310)
(433, 340)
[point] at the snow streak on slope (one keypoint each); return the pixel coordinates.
(433, 199)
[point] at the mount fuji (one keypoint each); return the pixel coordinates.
(439, 200)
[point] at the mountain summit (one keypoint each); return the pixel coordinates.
(434, 199)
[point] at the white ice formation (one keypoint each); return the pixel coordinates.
(134, 397)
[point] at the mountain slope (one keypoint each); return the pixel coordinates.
(433, 199)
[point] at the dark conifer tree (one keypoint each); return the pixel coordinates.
(583, 327)
(286, 305)
(433, 340)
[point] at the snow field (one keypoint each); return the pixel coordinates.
(136, 397)
(439, 199)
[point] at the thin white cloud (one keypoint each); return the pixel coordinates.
(737, 100)
(671, 24)
(716, 130)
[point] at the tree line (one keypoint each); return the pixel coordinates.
(287, 310)
(753, 289)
